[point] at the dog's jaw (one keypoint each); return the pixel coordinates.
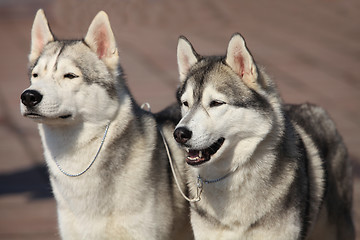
(197, 157)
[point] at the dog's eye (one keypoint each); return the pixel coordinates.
(216, 103)
(35, 75)
(70, 75)
(185, 103)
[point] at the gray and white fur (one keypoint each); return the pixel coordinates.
(269, 170)
(77, 89)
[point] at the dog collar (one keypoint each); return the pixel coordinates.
(201, 180)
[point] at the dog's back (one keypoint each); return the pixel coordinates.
(327, 152)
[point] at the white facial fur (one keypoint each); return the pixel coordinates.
(77, 97)
(239, 126)
(63, 96)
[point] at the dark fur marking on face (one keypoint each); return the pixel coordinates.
(86, 65)
(180, 92)
(255, 101)
(242, 95)
(31, 68)
(93, 75)
(62, 47)
(64, 44)
(199, 74)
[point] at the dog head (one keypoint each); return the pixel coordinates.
(226, 103)
(72, 80)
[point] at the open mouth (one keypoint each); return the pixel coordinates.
(197, 157)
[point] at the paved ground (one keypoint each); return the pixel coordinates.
(312, 48)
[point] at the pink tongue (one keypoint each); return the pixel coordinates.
(193, 153)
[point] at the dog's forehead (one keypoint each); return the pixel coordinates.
(51, 49)
(48, 55)
(54, 51)
(197, 78)
(216, 77)
(60, 53)
(225, 81)
(75, 55)
(188, 90)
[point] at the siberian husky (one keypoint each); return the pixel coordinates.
(108, 166)
(265, 170)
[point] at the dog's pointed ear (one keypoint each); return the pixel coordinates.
(240, 60)
(40, 35)
(186, 57)
(100, 38)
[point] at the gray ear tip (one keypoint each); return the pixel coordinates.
(183, 39)
(236, 34)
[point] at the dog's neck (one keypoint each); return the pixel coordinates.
(66, 138)
(74, 146)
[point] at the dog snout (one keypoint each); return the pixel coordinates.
(182, 134)
(31, 98)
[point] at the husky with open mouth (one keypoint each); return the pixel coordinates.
(108, 165)
(264, 169)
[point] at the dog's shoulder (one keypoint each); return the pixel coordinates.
(305, 112)
(315, 121)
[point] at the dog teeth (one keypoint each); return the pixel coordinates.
(193, 158)
(200, 154)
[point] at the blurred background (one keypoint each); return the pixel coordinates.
(311, 48)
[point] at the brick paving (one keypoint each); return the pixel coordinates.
(312, 48)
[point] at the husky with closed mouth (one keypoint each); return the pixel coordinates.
(108, 166)
(265, 170)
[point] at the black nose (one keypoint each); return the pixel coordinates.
(182, 134)
(30, 98)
